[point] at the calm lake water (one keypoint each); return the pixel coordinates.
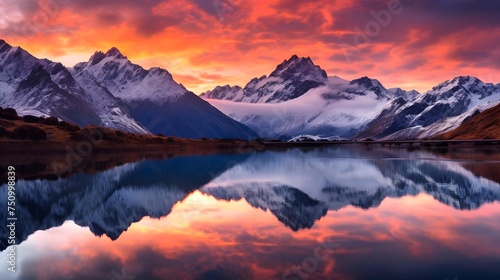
(327, 213)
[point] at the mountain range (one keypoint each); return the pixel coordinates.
(297, 187)
(297, 99)
(109, 90)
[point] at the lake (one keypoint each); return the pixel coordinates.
(339, 212)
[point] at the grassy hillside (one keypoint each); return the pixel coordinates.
(485, 125)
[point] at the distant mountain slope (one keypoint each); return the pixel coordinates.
(485, 125)
(439, 110)
(317, 112)
(156, 100)
(334, 108)
(110, 91)
(290, 80)
(330, 107)
(111, 110)
(297, 98)
(27, 86)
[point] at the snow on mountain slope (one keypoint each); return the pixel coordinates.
(29, 88)
(298, 98)
(362, 108)
(406, 95)
(157, 101)
(128, 81)
(288, 81)
(114, 113)
(337, 109)
(111, 110)
(41, 87)
(439, 110)
(226, 92)
(482, 126)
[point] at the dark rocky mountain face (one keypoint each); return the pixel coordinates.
(393, 114)
(110, 91)
(157, 102)
(33, 86)
(366, 84)
(299, 74)
(290, 80)
(445, 107)
(226, 92)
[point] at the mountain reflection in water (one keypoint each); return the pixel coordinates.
(394, 213)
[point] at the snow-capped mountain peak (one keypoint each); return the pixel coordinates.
(303, 66)
(156, 100)
(157, 71)
(111, 91)
(462, 87)
(460, 81)
(437, 111)
(372, 85)
(129, 81)
(463, 80)
(406, 95)
(226, 92)
(97, 57)
(290, 80)
(3, 44)
(114, 52)
(367, 82)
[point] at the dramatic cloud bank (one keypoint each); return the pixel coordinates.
(413, 44)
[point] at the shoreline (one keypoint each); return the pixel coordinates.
(52, 160)
(44, 147)
(395, 143)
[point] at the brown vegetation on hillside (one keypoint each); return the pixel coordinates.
(483, 126)
(39, 135)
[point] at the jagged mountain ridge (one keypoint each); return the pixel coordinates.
(390, 113)
(291, 79)
(112, 111)
(439, 110)
(297, 98)
(29, 88)
(42, 87)
(336, 109)
(110, 91)
(295, 77)
(156, 100)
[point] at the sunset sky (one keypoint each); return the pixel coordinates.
(204, 43)
(411, 232)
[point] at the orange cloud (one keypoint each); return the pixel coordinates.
(234, 40)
